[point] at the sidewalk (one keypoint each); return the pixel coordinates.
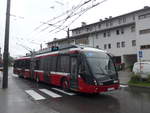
(124, 77)
(14, 100)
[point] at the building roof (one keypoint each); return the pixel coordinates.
(112, 18)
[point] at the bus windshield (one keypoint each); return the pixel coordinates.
(100, 63)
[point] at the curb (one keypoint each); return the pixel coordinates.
(123, 83)
(148, 87)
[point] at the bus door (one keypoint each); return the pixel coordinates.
(46, 67)
(32, 65)
(74, 72)
(46, 77)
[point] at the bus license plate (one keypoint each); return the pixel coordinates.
(110, 89)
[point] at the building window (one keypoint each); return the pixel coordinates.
(118, 44)
(109, 46)
(96, 35)
(99, 26)
(108, 33)
(122, 31)
(107, 24)
(144, 16)
(145, 31)
(145, 46)
(105, 46)
(133, 17)
(117, 32)
(123, 44)
(119, 20)
(76, 32)
(133, 42)
(82, 41)
(132, 28)
(87, 29)
(124, 19)
(104, 34)
(111, 23)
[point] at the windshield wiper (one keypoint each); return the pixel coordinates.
(101, 73)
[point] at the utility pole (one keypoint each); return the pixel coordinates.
(68, 36)
(6, 46)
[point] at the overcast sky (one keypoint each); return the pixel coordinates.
(27, 15)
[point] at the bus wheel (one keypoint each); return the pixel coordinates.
(65, 85)
(37, 79)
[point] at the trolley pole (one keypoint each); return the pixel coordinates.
(6, 46)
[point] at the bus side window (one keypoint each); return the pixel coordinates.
(44, 63)
(49, 61)
(63, 64)
(37, 64)
(53, 63)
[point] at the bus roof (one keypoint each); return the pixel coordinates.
(65, 50)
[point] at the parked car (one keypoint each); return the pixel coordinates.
(142, 68)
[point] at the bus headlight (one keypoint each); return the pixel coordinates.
(116, 81)
(95, 83)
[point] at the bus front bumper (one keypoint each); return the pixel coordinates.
(99, 89)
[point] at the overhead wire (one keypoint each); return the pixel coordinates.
(71, 11)
(82, 12)
(74, 12)
(66, 18)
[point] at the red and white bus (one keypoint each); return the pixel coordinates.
(78, 68)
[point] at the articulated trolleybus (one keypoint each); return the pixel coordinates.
(78, 68)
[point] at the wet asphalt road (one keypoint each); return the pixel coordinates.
(126, 100)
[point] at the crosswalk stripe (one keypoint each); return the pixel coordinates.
(34, 95)
(123, 86)
(50, 93)
(63, 91)
(14, 75)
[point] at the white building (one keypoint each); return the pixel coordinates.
(123, 36)
(0, 58)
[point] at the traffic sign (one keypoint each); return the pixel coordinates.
(140, 54)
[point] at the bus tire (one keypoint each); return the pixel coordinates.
(65, 84)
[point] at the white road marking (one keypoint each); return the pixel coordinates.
(14, 75)
(63, 91)
(50, 93)
(34, 95)
(123, 86)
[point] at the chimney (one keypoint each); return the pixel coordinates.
(110, 17)
(100, 20)
(55, 39)
(106, 18)
(145, 7)
(83, 24)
